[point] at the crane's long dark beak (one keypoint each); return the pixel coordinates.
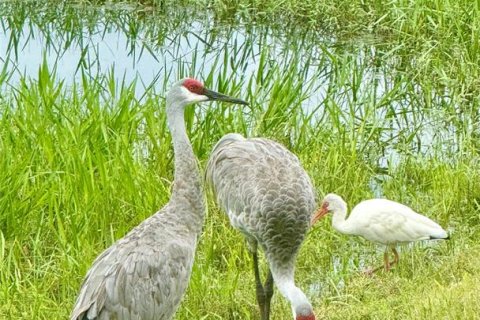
(212, 95)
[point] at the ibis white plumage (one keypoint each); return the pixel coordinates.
(380, 220)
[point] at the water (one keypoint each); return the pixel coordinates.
(95, 52)
(191, 49)
(155, 51)
(104, 52)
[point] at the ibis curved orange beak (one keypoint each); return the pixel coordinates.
(319, 214)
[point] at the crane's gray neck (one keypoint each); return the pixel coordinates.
(187, 192)
(285, 282)
(339, 214)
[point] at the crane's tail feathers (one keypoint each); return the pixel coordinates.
(82, 315)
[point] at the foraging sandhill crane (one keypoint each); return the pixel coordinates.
(380, 220)
(268, 197)
(145, 274)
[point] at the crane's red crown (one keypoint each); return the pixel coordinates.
(194, 86)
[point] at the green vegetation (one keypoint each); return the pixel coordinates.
(82, 162)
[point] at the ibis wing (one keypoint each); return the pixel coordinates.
(390, 222)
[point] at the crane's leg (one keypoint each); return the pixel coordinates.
(259, 287)
(268, 290)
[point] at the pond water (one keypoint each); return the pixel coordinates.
(155, 50)
(101, 52)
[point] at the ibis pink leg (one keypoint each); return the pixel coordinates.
(385, 260)
(396, 258)
(388, 265)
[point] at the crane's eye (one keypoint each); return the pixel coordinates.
(192, 88)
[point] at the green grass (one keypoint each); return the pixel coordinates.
(82, 163)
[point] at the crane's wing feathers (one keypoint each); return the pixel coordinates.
(136, 279)
(240, 169)
(264, 190)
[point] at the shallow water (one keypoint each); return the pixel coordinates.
(183, 49)
(157, 49)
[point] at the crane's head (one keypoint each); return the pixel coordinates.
(188, 91)
(331, 202)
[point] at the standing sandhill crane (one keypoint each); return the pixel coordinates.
(380, 220)
(268, 197)
(145, 274)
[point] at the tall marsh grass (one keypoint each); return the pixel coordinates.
(86, 157)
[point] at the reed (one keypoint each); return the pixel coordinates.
(86, 156)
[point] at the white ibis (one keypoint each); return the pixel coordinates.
(144, 275)
(380, 220)
(269, 197)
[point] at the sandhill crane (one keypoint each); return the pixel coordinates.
(268, 197)
(145, 274)
(380, 220)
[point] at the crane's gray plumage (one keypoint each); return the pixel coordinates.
(145, 274)
(265, 191)
(269, 197)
